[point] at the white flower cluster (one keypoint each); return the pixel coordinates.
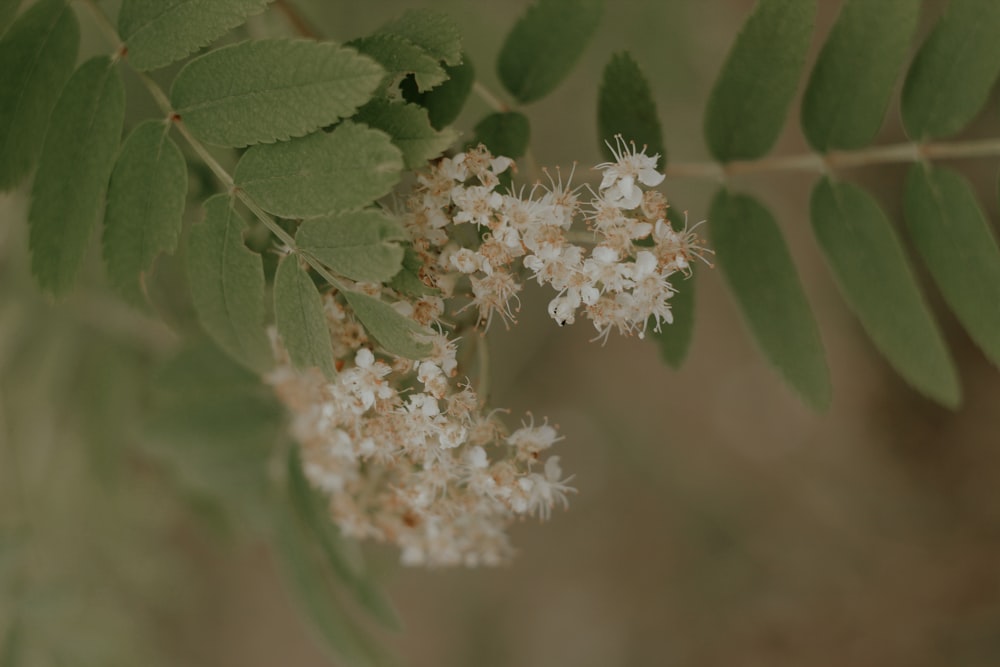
(460, 223)
(408, 456)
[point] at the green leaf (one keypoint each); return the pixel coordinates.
(953, 72)
(400, 57)
(322, 173)
(145, 207)
(158, 32)
(394, 332)
(361, 245)
(298, 313)
(675, 339)
(445, 102)
(748, 104)
(73, 172)
(872, 271)
(433, 31)
(862, 55)
(625, 106)
(408, 281)
(504, 133)
(273, 90)
(410, 129)
(38, 53)
(311, 507)
(544, 44)
(8, 10)
(759, 270)
(957, 245)
(227, 285)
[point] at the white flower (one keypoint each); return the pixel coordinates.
(618, 185)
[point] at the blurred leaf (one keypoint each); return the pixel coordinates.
(399, 57)
(675, 339)
(298, 313)
(322, 173)
(73, 172)
(8, 10)
(145, 207)
(158, 32)
(954, 70)
(504, 133)
(10, 648)
(862, 55)
(544, 44)
(625, 106)
(755, 261)
(311, 507)
(394, 332)
(955, 241)
(410, 129)
(361, 245)
(37, 53)
(274, 90)
(433, 31)
(227, 285)
(445, 102)
(875, 278)
(408, 281)
(749, 102)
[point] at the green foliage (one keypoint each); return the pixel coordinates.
(400, 57)
(227, 285)
(73, 171)
(159, 32)
(362, 245)
(322, 173)
(954, 70)
(504, 133)
(625, 106)
(544, 44)
(410, 129)
(407, 281)
(394, 332)
(756, 264)
(445, 102)
(749, 102)
(868, 261)
(275, 89)
(863, 54)
(957, 245)
(37, 55)
(8, 9)
(434, 32)
(674, 340)
(146, 201)
(298, 314)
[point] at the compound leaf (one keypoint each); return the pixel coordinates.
(875, 278)
(298, 313)
(270, 90)
(956, 243)
(759, 270)
(544, 44)
(158, 32)
(145, 207)
(750, 99)
(73, 171)
(322, 173)
(38, 53)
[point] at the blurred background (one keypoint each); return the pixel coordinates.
(718, 520)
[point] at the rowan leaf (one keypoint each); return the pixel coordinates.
(956, 243)
(544, 44)
(362, 245)
(73, 172)
(444, 103)
(38, 52)
(433, 31)
(298, 313)
(400, 57)
(274, 89)
(145, 207)
(227, 285)
(322, 173)
(625, 106)
(749, 101)
(504, 133)
(159, 32)
(8, 10)
(875, 278)
(394, 332)
(410, 129)
(759, 270)
(863, 55)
